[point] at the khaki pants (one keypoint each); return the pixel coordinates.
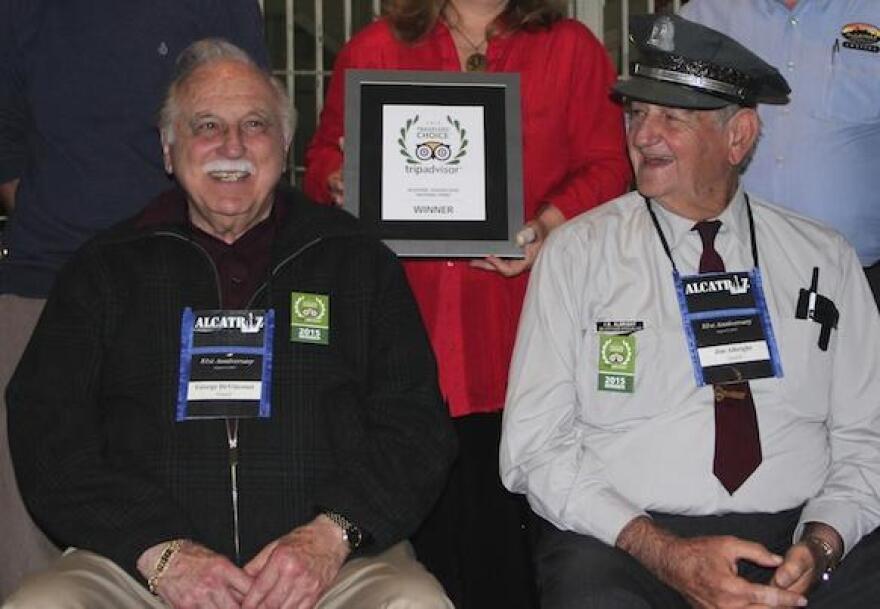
(23, 547)
(84, 580)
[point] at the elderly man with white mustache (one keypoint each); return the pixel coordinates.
(230, 400)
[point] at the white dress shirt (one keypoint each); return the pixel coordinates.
(590, 461)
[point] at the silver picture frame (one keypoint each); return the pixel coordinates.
(372, 93)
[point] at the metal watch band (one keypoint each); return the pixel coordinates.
(162, 564)
(351, 533)
(826, 550)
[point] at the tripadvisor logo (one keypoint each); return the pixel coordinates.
(435, 143)
(309, 308)
(616, 351)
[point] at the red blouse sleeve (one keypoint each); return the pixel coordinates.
(323, 155)
(598, 167)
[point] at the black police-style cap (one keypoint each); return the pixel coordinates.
(683, 64)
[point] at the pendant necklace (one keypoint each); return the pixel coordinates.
(476, 61)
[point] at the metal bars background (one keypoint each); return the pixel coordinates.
(302, 52)
(305, 35)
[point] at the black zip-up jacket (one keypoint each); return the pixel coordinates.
(357, 426)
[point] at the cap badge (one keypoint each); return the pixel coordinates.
(663, 35)
(861, 37)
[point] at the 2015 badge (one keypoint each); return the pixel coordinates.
(309, 318)
(617, 362)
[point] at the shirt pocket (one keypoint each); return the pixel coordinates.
(662, 368)
(806, 369)
(852, 88)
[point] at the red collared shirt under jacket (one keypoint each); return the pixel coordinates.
(573, 158)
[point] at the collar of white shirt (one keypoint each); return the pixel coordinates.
(734, 223)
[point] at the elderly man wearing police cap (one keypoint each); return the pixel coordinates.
(694, 400)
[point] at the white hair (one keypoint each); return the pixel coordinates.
(215, 50)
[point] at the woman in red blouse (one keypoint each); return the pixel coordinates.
(573, 159)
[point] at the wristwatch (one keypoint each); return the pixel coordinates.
(822, 549)
(351, 533)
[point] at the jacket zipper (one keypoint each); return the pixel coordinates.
(232, 439)
(232, 424)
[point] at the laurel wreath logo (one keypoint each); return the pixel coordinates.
(432, 150)
(310, 309)
(404, 131)
(616, 352)
(462, 137)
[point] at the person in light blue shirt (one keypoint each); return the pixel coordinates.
(818, 154)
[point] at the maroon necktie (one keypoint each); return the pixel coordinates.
(737, 444)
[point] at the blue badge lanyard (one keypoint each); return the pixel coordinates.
(757, 283)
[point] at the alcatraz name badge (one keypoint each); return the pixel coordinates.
(617, 362)
(309, 318)
(225, 364)
(727, 326)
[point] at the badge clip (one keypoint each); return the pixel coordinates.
(812, 305)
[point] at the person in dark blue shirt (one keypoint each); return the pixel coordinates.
(81, 83)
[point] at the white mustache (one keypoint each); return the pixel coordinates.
(243, 166)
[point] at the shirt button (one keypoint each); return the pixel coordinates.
(786, 111)
(450, 263)
(780, 159)
(793, 21)
(790, 65)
